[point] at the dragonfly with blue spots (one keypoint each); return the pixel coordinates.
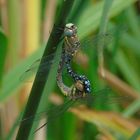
(81, 88)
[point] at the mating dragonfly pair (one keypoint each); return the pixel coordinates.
(81, 89)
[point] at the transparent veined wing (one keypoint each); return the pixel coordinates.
(53, 113)
(45, 66)
(106, 37)
(104, 95)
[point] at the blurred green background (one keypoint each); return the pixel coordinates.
(109, 33)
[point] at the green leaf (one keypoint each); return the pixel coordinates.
(14, 84)
(132, 108)
(38, 87)
(3, 51)
(136, 135)
(90, 18)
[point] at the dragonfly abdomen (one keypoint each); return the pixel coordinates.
(65, 89)
(79, 78)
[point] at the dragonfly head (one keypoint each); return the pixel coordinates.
(70, 30)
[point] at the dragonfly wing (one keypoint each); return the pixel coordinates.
(56, 113)
(106, 96)
(45, 66)
(51, 113)
(106, 37)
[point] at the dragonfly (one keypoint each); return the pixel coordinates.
(48, 60)
(81, 89)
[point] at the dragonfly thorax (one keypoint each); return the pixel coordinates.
(71, 40)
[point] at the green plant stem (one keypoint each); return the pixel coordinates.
(135, 135)
(103, 25)
(3, 50)
(38, 87)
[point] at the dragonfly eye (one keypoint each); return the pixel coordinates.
(68, 32)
